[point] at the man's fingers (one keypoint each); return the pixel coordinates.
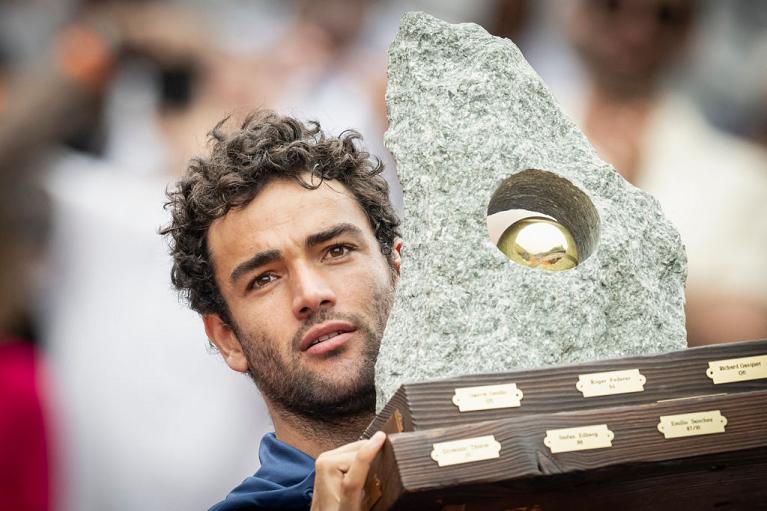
(354, 480)
(341, 473)
(330, 469)
(330, 461)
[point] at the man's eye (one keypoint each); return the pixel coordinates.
(337, 251)
(262, 280)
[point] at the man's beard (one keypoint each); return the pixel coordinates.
(306, 394)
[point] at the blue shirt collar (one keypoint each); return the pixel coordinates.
(284, 481)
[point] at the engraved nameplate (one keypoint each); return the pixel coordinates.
(692, 424)
(613, 382)
(487, 397)
(466, 451)
(737, 369)
(578, 439)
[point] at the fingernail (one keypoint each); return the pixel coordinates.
(378, 435)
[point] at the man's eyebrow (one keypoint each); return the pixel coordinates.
(332, 232)
(260, 259)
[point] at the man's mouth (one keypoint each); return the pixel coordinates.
(326, 337)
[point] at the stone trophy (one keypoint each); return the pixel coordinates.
(523, 250)
(475, 132)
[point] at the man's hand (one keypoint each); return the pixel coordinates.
(341, 474)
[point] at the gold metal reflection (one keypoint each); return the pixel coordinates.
(538, 242)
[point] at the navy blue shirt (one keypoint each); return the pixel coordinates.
(284, 481)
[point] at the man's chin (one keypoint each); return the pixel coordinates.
(340, 394)
(332, 403)
(340, 387)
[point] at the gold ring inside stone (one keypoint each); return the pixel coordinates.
(538, 242)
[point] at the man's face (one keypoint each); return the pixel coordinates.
(308, 291)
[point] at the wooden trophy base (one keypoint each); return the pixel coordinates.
(702, 446)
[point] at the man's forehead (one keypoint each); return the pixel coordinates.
(284, 210)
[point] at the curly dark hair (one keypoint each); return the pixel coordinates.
(267, 146)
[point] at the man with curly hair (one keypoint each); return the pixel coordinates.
(285, 241)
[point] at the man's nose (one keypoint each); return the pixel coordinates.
(311, 291)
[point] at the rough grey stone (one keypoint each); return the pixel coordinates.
(467, 112)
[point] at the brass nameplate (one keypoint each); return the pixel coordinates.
(466, 451)
(609, 383)
(487, 397)
(578, 439)
(692, 424)
(737, 369)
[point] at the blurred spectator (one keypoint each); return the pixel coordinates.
(711, 185)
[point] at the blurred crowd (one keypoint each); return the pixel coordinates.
(109, 395)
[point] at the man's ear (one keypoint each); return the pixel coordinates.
(396, 254)
(223, 336)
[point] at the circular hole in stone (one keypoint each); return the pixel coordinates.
(541, 220)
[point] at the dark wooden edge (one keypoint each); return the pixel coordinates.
(398, 403)
(383, 485)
